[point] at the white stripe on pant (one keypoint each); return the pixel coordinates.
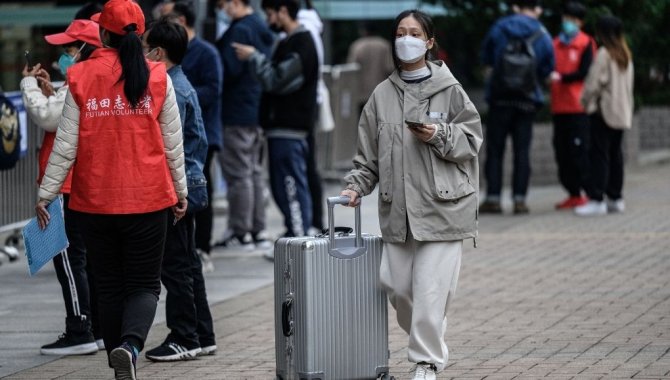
(74, 296)
(420, 279)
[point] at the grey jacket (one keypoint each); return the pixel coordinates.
(431, 185)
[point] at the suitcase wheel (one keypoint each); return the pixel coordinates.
(386, 376)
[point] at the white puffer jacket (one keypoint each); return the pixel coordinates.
(67, 138)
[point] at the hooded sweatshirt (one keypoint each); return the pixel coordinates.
(523, 27)
(431, 185)
(241, 92)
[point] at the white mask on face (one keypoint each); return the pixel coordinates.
(410, 49)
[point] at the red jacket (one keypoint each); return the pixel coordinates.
(565, 96)
(45, 151)
(121, 166)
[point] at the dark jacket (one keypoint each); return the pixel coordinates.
(195, 138)
(519, 26)
(289, 83)
(202, 66)
(241, 92)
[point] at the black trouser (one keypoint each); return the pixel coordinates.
(314, 183)
(571, 149)
(75, 281)
(204, 218)
(504, 121)
(126, 252)
(186, 308)
(606, 155)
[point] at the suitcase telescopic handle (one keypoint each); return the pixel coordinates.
(343, 200)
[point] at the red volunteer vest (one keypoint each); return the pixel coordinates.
(121, 166)
(45, 151)
(565, 96)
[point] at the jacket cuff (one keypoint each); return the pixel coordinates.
(439, 136)
(356, 188)
(29, 82)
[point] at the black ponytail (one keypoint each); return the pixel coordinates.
(134, 69)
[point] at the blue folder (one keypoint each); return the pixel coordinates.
(43, 245)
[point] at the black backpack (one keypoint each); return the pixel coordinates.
(10, 148)
(515, 74)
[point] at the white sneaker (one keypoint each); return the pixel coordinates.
(614, 206)
(100, 343)
(592, 208)
(207, 263)
(207, 350)
(423, 372)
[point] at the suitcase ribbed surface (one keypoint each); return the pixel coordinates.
(339, 311)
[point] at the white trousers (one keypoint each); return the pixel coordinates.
(420, 279)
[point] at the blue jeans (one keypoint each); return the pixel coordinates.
(288, 181)
(503, 121)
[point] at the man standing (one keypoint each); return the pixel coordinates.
(519, 50)
(289, 81)
(243, 137)
(186, 309)
(203, 68)
(574, 51)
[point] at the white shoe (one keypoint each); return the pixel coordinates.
(423, 372)
(269, 255)
(100, 343)
(592, 208)
(614, 206)
(207, 263)
(208, 350)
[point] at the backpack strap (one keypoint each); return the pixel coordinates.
(535, 36)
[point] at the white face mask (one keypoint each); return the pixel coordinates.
(410, 49)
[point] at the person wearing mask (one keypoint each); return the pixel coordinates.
(243, 139)
(45, 106)
(514, 95)
(187, 310)
(574, 52)
(418, 141)
(204, 70)
(608, 99)
(121, 124)
(288, 110)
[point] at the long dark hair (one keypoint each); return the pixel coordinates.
(134, 69)
(609, 30)
(426, 24)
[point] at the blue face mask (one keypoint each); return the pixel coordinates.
(569, 28)
(222, 17)
(66, 60)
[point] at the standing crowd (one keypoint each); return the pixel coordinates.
(130, 139)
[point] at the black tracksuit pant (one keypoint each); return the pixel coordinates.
(126, 252)
(186, 308)
(571, 149)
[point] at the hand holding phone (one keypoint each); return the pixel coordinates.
(413, 124)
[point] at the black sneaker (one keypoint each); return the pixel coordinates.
(520, 208)
(261, 241)
(70, 344)
(231, 240)
(170, 352)
(124, 361)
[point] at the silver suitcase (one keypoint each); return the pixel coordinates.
(330, 312)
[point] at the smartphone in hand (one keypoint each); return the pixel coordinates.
(29, 59)
(413, 124)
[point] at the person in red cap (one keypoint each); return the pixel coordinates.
(121, 125)
(44, 107)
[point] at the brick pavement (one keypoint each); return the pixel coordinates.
(548, 295)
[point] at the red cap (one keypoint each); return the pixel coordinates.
(118, 14)
(79, 30)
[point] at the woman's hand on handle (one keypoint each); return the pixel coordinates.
(354, 199)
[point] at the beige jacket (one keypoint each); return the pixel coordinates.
(67, 137)
(435, 185)
(609, 91)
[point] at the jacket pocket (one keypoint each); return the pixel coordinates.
(385, 148)
(197, 193)
(451, 181)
